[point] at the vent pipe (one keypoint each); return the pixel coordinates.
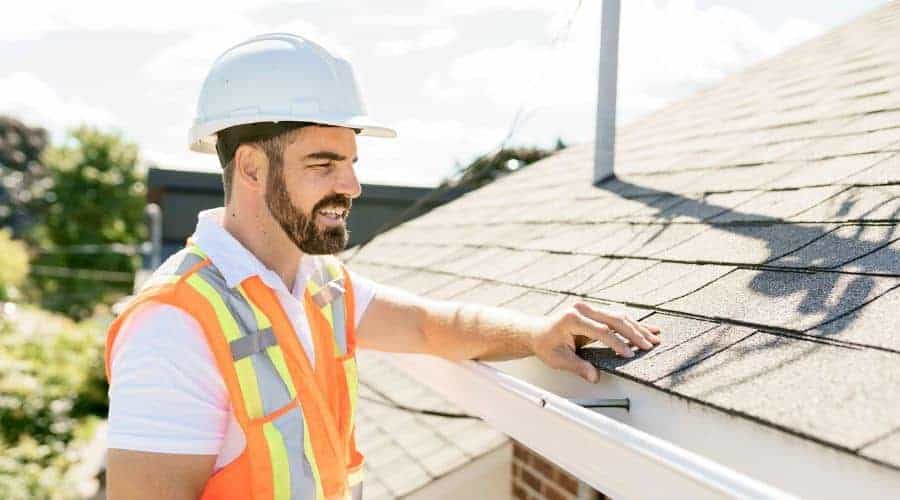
(605, 139)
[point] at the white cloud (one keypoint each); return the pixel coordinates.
(424, 150)
(666, 51)
(32, 19)
(30, 99)
(190, 59)
(431, 39)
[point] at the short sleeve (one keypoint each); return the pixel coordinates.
(364, 291)
(166, 394)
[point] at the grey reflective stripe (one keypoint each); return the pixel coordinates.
(356, 492)
(273, 389)
(338, 316)
(303, 482)
(190, 260)
(252, 344)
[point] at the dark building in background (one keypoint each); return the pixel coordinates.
(182, 194)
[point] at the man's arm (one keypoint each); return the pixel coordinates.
(398, 321)
(139, 475)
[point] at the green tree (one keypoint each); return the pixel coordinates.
(23, 178)
(95, 202)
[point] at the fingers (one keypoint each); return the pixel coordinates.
(645, 330)
(619, 323)
(583, 325)
(571, 362)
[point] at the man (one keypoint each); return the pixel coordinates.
(232, 373)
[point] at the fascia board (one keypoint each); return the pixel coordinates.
(612, 457)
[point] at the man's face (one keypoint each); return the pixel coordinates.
(310, 195)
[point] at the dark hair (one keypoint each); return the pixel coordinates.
(270, 137)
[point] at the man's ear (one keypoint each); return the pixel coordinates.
(250, 167)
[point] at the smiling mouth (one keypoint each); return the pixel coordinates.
(333, 214)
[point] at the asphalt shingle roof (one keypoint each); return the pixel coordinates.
(758, 222)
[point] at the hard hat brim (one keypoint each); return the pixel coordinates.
(202, 138)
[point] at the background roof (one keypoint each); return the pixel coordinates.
(756, 222)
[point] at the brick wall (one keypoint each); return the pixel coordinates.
(536, 478)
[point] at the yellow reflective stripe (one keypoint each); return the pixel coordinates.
(274, 352)
(194, 249)
(334, 269)
(277, 358)
(244, 367)
(308, 451)
(350, 371)
(326, 311)
(281, 471)
(262, 321)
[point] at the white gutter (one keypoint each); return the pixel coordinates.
(616, 459)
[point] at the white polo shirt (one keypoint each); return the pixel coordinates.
(167, 395)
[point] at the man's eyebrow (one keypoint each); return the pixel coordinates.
(327, 155)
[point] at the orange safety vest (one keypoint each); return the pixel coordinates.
(299, 422)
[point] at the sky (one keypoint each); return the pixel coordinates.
(455, 78)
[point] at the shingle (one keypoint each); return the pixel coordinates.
(535, 303)
(873, 324)
(840, 246)
(607, 273)
(738, 178)
(664, 282)
(500, 265)
(869, 142)
(791, 300)
(882, 173)
(886, 450)
(843, 396)
(656, 239)
(635, 313)
(492, 294)
(883, 261)
(778, 205)
(547, 268)
(377, 491)
(700, 208)
(444, 461)
(463, 259)
(827, 171)
(745, 243)
(649, 184)
(571, 237)
(684, 343)
(421, 282)
(480, 441)
(454, 289)
(403, 476)
(378, 272)
(857, 204)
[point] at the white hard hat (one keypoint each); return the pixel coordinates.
(279, 77)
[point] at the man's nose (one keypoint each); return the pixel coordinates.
(348, 184)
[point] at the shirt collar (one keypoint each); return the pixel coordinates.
(234, 261)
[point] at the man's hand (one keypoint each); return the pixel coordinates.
(581, 324)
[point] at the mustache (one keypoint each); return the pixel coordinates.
(335, 200)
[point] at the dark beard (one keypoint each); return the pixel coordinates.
(301, 227)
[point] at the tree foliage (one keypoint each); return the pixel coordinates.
(52, 391)
(23, 178)
(96, 199)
